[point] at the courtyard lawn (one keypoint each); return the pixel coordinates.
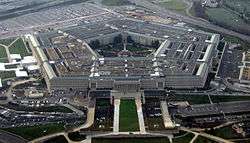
(217, 99)
(192, 99)
(203, 99)
(131, 140)
(3, 60)
(2, 52)
(128, 116)
(201, 139)
(19, 48)
(186, 138)
(33, 132)
(7, 74)
(225, 132)
(6, 42)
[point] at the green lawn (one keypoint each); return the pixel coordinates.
(6, 42)
(128, 116)
(76, 136)
(3, 60)
(201, 139)
(192, 99)
(2, 52)
(115, 2)
(175, 5)
(7, 74)
(19, 48)
(225, 132)
(217, 99)
(131, 140)
(227, 19)
(183, 139)
(242, 141)
(238, 5)
(58, 139)
(203, 99)
(33, 132)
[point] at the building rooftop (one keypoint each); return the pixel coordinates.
(182, 52)
(1, 85)
(15, 56)
(21, 73)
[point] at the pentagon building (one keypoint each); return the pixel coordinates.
(182, 60)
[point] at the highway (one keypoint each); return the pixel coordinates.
(195, 21)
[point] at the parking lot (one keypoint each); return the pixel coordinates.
(152, 114)
(230, 63)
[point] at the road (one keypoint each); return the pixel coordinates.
(211, 137)
(140, 115)
(88, 123)
(116, 115)
(166, 117)
(8, 93)
(195, 21)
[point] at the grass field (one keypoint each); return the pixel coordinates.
(128, 116)
(3, 60)
(33, 132)
(175, 5)
(7, 74)
(225, 132)
(201, 139)
(76, 136)
(19, 48)
(231, 14)
(6, 42)
(115, 2)
(131, 140)
(58, 139)
(238, 5)
(2, 52)
(217, 99)
(192, 99)
(242, 141)
(228, 19)
(183, 139)
(203, 99)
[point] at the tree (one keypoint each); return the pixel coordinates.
(155, 44)
(95, 44)
(118, 39)
(130, 40)
(199, 10)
